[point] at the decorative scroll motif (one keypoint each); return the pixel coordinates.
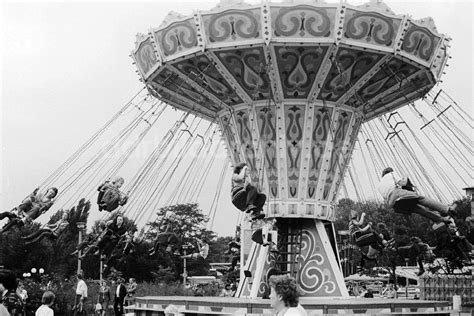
(204, 73)
(419, 42)
(166, 96)
(232, 25)
(298, 66)
(145, 56)
(350, 65)
(371, 27)
(342, 126)
(394, 72)
(248, 68)
(348, 153)
(294, 123)
(173, 82)
(246, 142)
(420, 83)
(303, 21)
(319, 136)
(229, 131)
(177, 37)
(315, 274)
(266, 119)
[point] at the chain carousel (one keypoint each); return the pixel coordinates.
(290, 85)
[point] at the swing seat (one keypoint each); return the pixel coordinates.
(367, 239)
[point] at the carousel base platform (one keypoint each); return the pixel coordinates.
(199, 305)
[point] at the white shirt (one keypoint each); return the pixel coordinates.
(295, 311)
(81, 288)
(117, 292)
(44, 310)
(387, 185)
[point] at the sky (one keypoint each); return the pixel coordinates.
(65, 70)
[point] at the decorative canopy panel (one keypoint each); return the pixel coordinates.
(290, 83)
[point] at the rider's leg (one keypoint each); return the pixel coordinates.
(435, 216)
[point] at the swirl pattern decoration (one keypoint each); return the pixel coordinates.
(246, 142)
(342, 127)
(319, 136)
(229, 131)
(390, 74)
(181, 87)
(233, 25)
(419, 42)
(315, 274)
(145, 56)
(201, 70)
(371, 27)
(178, 37)
(294, 134)
(298, 66)
(248, 68)
(303, 21)
(350, 65)
(266, 119)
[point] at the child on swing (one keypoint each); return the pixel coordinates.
(245, 196)
(52, 231)
(110, 197)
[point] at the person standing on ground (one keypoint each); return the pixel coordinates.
(81, 294)
(119, 297)
(47, 300)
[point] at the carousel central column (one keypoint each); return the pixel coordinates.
(300, 150)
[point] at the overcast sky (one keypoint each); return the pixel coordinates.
(65, 70)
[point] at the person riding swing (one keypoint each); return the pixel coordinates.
(51, 231)
(245, 196)
(110, 197)
(399, 194)
(30, 209)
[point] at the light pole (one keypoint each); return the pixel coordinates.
(185, 273)
(80, 226)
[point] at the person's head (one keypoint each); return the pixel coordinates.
(171, 310)
(120, 280)
(131, 280)
(7, 281)
(65, 215)
(283, 292)
(79, 276)
(386, 171)
(119, 220)
(239, 167)
(118, 182)
(48, 298)
(469, 221)
(51, 193)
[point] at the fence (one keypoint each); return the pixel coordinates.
(443, 287)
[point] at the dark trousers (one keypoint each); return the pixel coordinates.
(118, 306)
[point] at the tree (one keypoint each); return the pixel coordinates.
(188, 223)
(51, 255)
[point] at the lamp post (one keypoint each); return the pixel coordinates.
(80, 226)
(185, 273)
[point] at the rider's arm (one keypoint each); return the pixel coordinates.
(361, 220)
(366, 228)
